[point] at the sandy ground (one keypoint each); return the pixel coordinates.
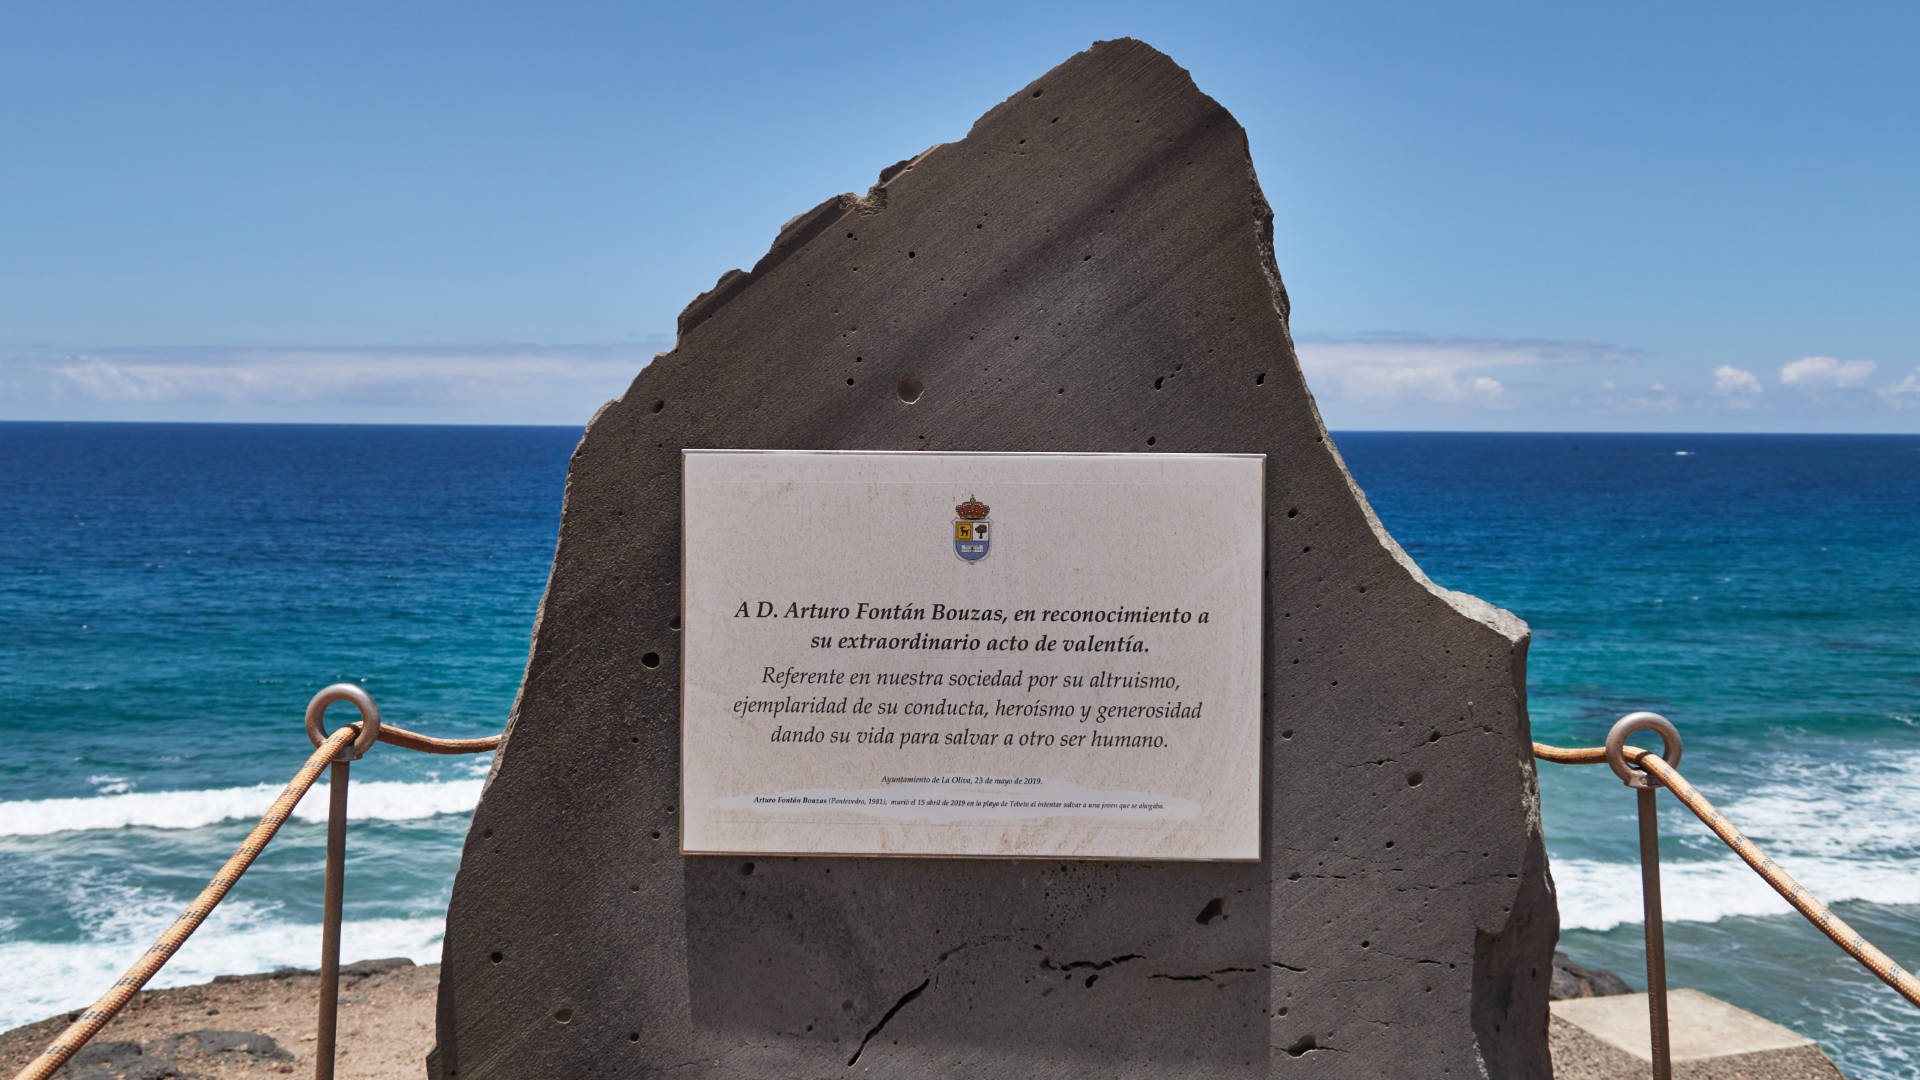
(254, 1026)
(262, 1026)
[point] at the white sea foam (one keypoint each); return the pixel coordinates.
(45, 978)
(373, 800)
(104, 784)
(1847, 830)
(1596, 895)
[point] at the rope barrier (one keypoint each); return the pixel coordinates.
(413, 740)
(1902, 981)
(76, 1035)
(340, 744)
(91, 1021)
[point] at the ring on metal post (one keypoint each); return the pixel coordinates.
(369, 718)
(1617, 746)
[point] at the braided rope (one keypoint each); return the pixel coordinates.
(413, 740)
(90, 1022)
(1900, 979)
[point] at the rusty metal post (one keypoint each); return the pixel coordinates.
(1656, 933)
(1646, 788)
(330, 934)
(328, 1026)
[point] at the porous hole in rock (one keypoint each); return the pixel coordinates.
(746, 869)
(673, 623)
(564, 1016)
(1416, 778)
(486, 834)
(1215, 909)
(1300, 1047)
(659, 404)
(849, 382)
(633, 1036)
(1293, 511)
(1260, 379)
(910, 390)
(1150, 440)
(652, 659)
(497, 957)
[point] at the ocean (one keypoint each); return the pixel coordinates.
(171, 596)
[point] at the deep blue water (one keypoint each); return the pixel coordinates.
(171, 595)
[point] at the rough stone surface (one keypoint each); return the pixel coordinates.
(1090, 269)
(1570, 980)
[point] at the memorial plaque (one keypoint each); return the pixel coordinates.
(972, 654)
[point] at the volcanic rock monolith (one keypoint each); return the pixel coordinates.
(1090, 269)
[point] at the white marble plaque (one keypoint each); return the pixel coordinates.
(972, 654)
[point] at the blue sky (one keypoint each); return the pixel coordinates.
(1539, 217)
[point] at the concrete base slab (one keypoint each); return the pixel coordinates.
(1603, 1038)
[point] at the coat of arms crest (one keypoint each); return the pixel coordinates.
(971, 530)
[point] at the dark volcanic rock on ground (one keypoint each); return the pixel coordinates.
(1570, 980)
(1090, 269)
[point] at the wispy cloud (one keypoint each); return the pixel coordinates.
(293, 375)
(1816, 373)
(500, 383)
(1903, 393)
(1656, 399)
(1416, 369)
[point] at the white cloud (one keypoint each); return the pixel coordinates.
(1903, 393)
(1825, 373)
(1733, 382)
(374, 377)
(1657, 399)
(1387, 369)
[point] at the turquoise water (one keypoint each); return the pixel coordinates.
(172, 594)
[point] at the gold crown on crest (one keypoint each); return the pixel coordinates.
(971, 510)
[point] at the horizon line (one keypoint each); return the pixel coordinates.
(583, 426)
